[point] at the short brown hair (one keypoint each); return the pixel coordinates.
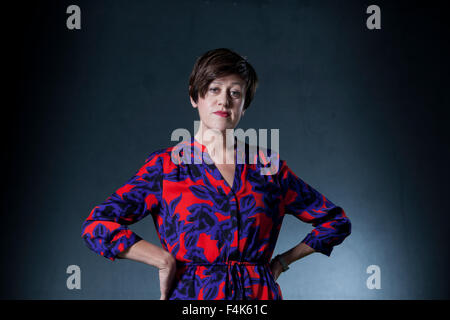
(218, 63)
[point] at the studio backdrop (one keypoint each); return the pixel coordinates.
(358, 92)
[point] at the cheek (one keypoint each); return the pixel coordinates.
(203, 112)
(200, 106)
(238, 110)
(204, 105)
(203, 109)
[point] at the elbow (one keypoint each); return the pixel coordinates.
(84, 229)
(347, 227)
(87, 232)
(346, 224)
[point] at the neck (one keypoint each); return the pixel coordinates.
(220, 144)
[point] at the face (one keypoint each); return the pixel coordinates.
(222, 106)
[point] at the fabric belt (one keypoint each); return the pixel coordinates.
(221, 263)
(235, 287)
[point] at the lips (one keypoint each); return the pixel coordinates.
(222, 113)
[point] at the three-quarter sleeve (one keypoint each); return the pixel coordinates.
(331, 225)
(105, 231)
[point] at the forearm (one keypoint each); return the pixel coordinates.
(148, 253)
(299, 251)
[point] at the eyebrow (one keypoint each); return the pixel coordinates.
(238, 83)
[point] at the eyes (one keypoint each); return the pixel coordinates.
(236, 94)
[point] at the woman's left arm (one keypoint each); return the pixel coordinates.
(331, 224)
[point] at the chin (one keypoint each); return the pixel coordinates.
(219, 127)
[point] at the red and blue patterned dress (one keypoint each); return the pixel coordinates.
(222, 236)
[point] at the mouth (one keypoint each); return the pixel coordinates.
(222, 114)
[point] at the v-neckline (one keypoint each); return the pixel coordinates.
(234, 175)
(216, 168)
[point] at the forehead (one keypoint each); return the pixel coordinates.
(230, 79)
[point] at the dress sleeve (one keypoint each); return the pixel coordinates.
(105, 231)
(331, 225)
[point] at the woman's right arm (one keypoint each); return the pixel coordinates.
(105, 231)
(148, 253)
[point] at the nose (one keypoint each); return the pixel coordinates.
(224, 99)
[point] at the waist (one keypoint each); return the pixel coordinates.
(222, 263)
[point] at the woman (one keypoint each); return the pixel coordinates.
(218, 220)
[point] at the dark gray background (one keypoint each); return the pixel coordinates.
(362, 116)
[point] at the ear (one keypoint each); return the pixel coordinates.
(194, 105)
